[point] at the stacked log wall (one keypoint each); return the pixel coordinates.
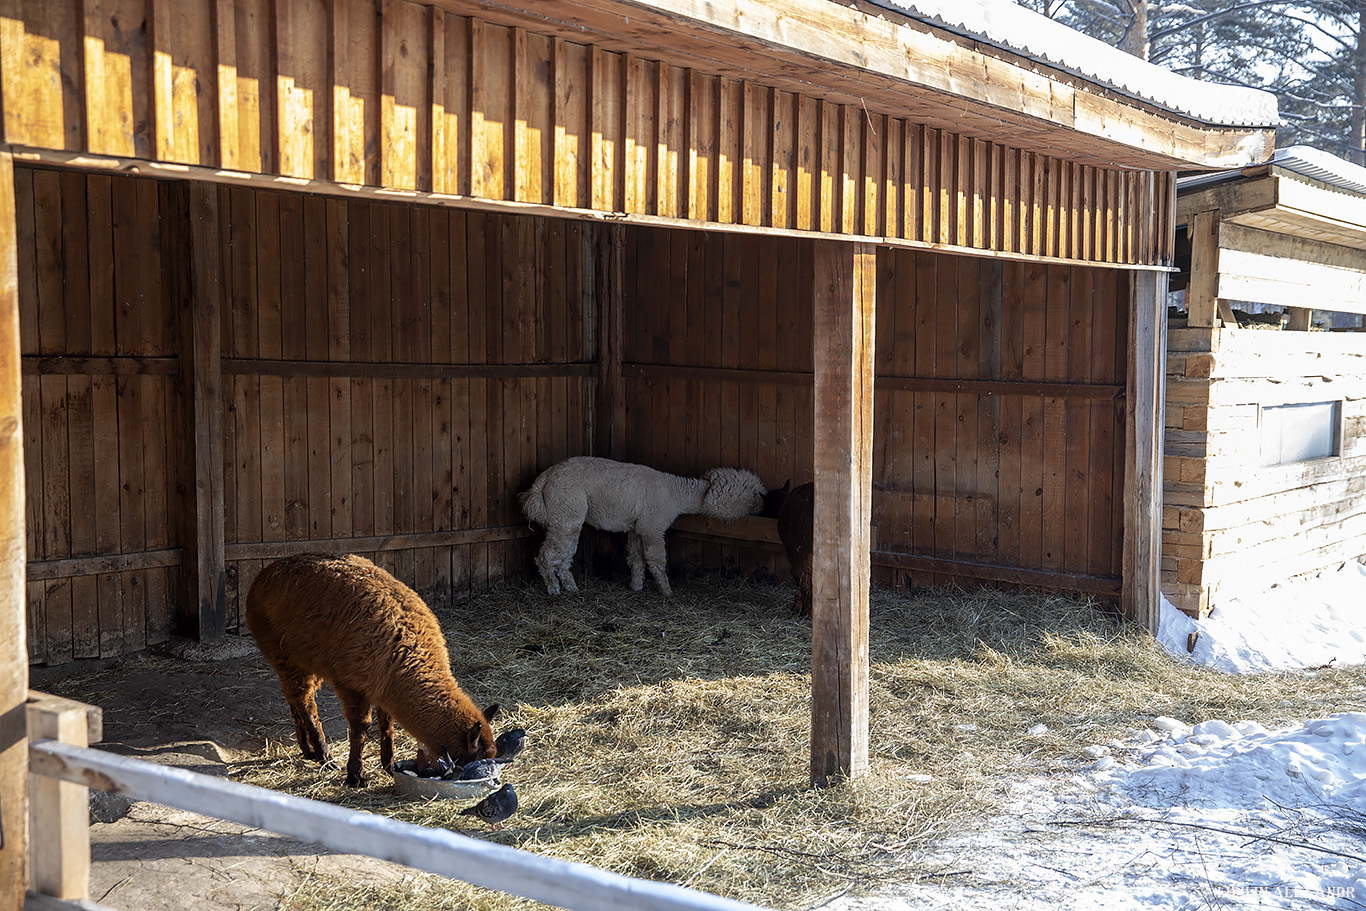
(1231, 525)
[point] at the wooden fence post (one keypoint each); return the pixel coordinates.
(844, 289)
(59, 811)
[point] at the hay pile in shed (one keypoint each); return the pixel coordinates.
(668, 738)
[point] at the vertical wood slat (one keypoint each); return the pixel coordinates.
(843, 288)
(13, 646)
(388, 96)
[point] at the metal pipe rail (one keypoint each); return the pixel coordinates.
(564, 884)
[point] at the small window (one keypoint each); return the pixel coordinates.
(1300, 432)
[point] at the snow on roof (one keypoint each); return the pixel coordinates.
(1322, 166)
(1022, 31)
(1306, 161)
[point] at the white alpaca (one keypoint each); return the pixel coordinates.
(636, 499)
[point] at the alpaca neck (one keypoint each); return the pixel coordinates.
(688, 493)
(431, 712)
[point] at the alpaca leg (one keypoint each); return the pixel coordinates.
(567, 561)
(386, 737)
(635, 558)
(555, 558)
(356, 708)
(657, 558)
(298, 688)
(801, 604)
(545, 565)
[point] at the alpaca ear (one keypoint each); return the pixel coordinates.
(491, 711)
(472, 746)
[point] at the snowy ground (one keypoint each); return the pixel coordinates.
(1222, 815)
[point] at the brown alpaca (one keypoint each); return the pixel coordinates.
(346, 621)
(794, 530)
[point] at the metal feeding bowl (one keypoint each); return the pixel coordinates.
(408, 783)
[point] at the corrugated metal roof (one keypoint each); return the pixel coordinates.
(1322, 166)
(1306, 161)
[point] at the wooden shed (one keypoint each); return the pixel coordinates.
(1265, 471)
(294, 274)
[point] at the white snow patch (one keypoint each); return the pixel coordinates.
(1013, 27)
(1220, 814)
(1303, 623)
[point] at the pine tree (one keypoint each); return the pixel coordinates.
(1309, 53)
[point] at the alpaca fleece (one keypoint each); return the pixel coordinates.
(636, 499)
(794, 530)
(344, 620)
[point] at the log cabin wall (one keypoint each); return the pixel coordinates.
(392, 376)
(1237, 518)
(1232, 525)
(999, 413)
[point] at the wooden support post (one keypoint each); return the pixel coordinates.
(1144, 411)
(59, 811)
(205, 562)
(13, 644)
(1202, 293)
(845, 280)
(1301, 319)
(203, 601)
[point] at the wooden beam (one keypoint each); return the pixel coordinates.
(162, 171)
(204, 601)
(1144, 418)
(844, 290)
(13, 644)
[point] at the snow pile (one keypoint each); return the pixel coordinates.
(1177, 817)
(1305, 623)
(1215, 815)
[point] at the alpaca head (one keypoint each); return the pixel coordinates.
(464, 734)
(773, 500)
(732, 493)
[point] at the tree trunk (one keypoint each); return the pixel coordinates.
(1356, 144)
(1135, 40)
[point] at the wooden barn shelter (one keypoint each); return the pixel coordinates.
(1265, 470)
(283, 275)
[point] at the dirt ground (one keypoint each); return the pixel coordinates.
(201, 710)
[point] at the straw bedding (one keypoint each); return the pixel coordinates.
(667, 737)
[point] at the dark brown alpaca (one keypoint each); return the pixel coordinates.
(794, 530)
(346, 621)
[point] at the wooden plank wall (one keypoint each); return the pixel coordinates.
(393, 375)
(1230, 525)
(101, 412)
(405, 96)
(999, 409)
